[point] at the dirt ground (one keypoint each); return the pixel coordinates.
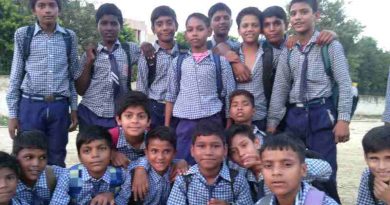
(350, 157)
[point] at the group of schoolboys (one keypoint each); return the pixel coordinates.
(127, 155)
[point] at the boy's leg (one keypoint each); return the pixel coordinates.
(32, 115)
(297, 122)
(157, 111)
(87, 118)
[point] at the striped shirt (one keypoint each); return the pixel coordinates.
(319, 84)
(159, 86)
(365, 196)
(46, 70)
(99, 97)
(197, 96)
(386, 114)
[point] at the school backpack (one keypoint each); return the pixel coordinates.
(114, 132)
(269, 70)
(76, 181)
(232, 173)
(313, 197)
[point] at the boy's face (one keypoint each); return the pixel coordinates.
(302, 18)
(274, 30)
(160, 154)
(32, 163)
(46, 11)
(242, 147)
(241, 110)
(249, 29)
(208, 152)
(95, 156)
(165, 27)
(109, 27)
(282, 171)
(134, 121)
(8, 183)
(379, 164)
(197, 33)
(221, 23)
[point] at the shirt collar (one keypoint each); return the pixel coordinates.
(174, 49)
(156, 177)
(40, 183)
(58, 28)
(123, 143)
(223, 172)
(311, 42)
(299, 198)
(101, 47)
(86, 177)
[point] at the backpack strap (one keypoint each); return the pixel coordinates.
(152, 64)
(51, 180)
(116, 179)
(27, 42)
(371, 187)
(314, 197)
(268, 70)
(233, 174)
(326, 60)
(126, 48)
(68, 44)
(187, 180)
(114, 132)
(218, 70)
(209, 45)
(180, 59)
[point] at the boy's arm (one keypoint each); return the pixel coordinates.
(229, 85)
(172, 91)
(135, 53)
(386, 114)
(364, 194)
(242, 191)
(178, 193)
(317, 169)
(84, 77)
(124, 193)
(281, 88)
(140, 186)
(61, 192)
(142, 75)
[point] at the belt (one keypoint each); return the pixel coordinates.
(318, 101)
(46, 98)
(158, 101)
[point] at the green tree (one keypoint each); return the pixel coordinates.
(180, 39)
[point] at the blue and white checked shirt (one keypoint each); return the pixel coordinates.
(40, 188)
(127, 149)
(159, 86)
(386, 114)
(319, 84)
(301, 197)
(364, 195)
(255, 86)
(47, 71)
(99, 97)
(61, 195)
(197, 96)
(16, 201)
(200, 192)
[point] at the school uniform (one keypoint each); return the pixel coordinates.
(108, 83)
(158, 88)
(200, 192)
(127, 149)
(40, 193)
(300, 198)
(386, 113)
(197, 98)
(42, 88)
(78, 187)
(16, 201)
(365, 195)
(311, 113)
(159, 185)
(233, 44)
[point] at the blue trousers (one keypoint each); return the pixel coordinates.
(157, 113)
(53, 119)
(185, 130)
(87, 118)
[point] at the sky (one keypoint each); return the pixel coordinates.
(372, 14)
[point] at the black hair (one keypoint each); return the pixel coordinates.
(133, 99)
(32, 4)
(162, 133)
(199, 16)
(376, 140)
(284, 141)
(276, 11)
(312, 3)
(163, 11)
(242, 92)
(218, 7)
(10, 162)
(235, 129)
(205, 128)
(91, 133)
(33, 139)
(109, 9)
(250, 11)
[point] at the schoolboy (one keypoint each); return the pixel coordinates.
(42, 78)
(153, 80)
(37, 180)
(283, 158)
(244, 147)
(93, 181)
(210, 181)
(301, 80)
(201, 101)
(9, 174)
(374, 184)
(106, 70)
(160, 151)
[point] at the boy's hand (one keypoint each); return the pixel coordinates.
(148, 50)
(91, 53)
(140, 185)
(74, 120)
(217, 202)
(382, 191)
(119, 159)
(326, 37)
(241, 72)
(341, 131)
(252, 162)
(103, 199)
(13, 127)
(181, 167)
(291, 41)
(221, 49)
